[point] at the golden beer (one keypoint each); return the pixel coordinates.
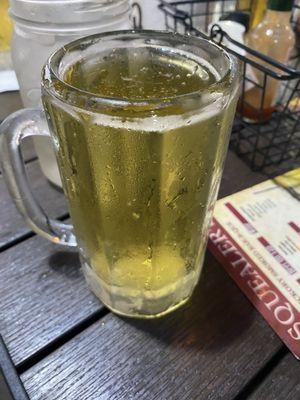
(141, 180)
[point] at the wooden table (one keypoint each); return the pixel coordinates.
(66, 345)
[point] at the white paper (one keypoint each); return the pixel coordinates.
(8, 81)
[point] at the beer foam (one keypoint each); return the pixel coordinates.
(161, 123)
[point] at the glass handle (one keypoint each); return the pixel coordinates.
(13, 130)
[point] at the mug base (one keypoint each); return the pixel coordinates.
(136, 303)
(148, 316)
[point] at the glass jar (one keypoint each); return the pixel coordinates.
(43, 26)
(5, 36)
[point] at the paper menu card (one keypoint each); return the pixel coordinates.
(255, 234)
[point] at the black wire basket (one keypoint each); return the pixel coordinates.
(266, 136)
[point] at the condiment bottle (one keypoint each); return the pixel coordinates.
(258, 10)
(274, 37)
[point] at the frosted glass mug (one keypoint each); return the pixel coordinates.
(140, 123)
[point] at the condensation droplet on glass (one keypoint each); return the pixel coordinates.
(126, 78)
(136, 216)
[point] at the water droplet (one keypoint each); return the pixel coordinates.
(136, 215)
(147, 262)
(126, 79)
(147, 285)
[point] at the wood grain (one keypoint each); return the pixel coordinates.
(237, 176)
(12, 225)
(207, 350)
(283, 383)
(43, 295)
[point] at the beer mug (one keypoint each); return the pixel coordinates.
(140, 123)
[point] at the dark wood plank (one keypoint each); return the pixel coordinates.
(208, 350)
(283, 383)
(237, 176)
(12, 225)
(43, 295)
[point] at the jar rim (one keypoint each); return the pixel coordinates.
(54, 11)
(54, 84)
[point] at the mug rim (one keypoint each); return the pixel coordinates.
(90, 101)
